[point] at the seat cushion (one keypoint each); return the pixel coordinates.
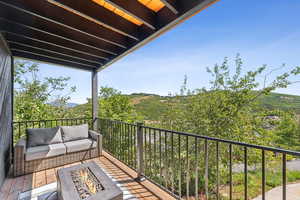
(43, 136)
(45, 151)
(80, 145)
(71, 133)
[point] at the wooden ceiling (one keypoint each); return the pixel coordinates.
(88, 34)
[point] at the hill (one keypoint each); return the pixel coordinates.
(152, 106)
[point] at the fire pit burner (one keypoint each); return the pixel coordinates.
(85, 182)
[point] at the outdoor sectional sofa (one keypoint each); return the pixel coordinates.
(45, 148)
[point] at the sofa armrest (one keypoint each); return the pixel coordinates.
(94, 135)
(98, 137)
(19, 157)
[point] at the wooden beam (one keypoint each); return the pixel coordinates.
(51, 55)
(10, 26)
(137, 10)
(33, 49)
(47, 59)
(99, 15)
(95, 102)
(60, 17)
(52, 47)
(171, 4)
(55, 41)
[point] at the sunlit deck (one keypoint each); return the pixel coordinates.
(124, 176)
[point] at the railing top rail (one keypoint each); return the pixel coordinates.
(117, 121)
(273, 149)
(60, 119)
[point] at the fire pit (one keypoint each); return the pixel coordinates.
(86, 182)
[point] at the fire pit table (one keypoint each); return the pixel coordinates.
(86, 182)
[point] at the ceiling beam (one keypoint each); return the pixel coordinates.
(51, 55)
(48, 59)
(17, 45)
(137, 10)
(101, 16)
(11, 26)
(47, 45)
(54, 40)
(171, 4)
(62, 18)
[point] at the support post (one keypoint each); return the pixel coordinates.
(140, 151)
(95, 103)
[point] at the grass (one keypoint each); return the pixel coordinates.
(273, 179)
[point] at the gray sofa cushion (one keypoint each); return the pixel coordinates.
(43, 136)
(80, 145)
(45, 151)
(71, 133)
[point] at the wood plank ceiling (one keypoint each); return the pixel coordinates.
(88, 34)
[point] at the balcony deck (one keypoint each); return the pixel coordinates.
(123, 174)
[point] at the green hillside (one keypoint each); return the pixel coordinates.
(281, 101)
(152, 106)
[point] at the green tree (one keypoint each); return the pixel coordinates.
(114, 105)
(33, 94)
(228, 108)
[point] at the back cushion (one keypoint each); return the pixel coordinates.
(70, 133)
(43, 136)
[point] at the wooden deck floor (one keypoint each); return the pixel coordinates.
(123, 174)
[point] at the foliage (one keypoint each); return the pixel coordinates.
(114, 105)
(229, 107)
(33, 93)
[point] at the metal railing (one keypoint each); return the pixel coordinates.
(19, 127)
(192, 166)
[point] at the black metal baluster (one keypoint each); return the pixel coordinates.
(166, 159)
(230, 171)
(188, 169)
(130, 143)
(218, 174)
(196, 168)
(284, 176)
(150, 153)
(160, 158)
(154, 151)
(263, 169)
(146, 151)
(172, 162)
(179, 160)
(134, 146)
(245, 173)
(206, 168)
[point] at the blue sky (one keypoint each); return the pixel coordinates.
(263, 32)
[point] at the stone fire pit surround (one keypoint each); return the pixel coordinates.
(67, 190)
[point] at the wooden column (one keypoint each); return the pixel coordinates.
(95, 105)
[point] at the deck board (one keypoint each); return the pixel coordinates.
(120, 172)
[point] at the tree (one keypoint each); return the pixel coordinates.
(114, 105)
(228, 108)
(33, 93)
